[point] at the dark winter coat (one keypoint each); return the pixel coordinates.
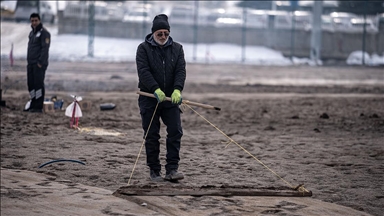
(38, 46)
(158, 67)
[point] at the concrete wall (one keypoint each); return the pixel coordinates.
(335, 45)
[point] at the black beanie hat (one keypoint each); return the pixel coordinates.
(160, 22)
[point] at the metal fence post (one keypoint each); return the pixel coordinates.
(294, 4)
(316, 31)
(38, 6)
(91, 27)
(144, 21)
(364, 30)
(244, 35)
(195, 29)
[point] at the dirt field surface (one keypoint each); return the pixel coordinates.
(318, 126)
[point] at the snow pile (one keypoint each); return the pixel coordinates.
(356, 58)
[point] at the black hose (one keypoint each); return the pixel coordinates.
(61, 160)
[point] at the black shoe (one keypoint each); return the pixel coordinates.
(173, 175)
(155, 175)
(35, 110)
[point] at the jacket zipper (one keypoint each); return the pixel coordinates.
(164, 73)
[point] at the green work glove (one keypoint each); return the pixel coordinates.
(176, 97)
(160, 96)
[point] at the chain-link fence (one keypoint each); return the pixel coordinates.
(201, 22)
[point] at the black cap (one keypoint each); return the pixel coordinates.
(160, 22)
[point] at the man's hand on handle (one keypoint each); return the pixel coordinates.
(160, 96)
(176, 97)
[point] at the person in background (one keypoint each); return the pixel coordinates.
(37, 58)
(161, 69)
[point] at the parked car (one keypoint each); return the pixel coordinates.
(342, 21)
(138, 15)
(357, 24)
(7, 10)
(210, 16)
(256, 19)
(303, 20)
(349, 22)
(25, 8)
(281, 19)
(380, 21)
(221, 17)
(115, 11)
(327, 23)
(80, 10)
(181, 14)
(230, 18)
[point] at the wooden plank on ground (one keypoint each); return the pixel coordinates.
(165, 190)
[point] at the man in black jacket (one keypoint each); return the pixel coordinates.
(37, 58)
(161, 70)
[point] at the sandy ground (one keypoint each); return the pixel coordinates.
(282, 120)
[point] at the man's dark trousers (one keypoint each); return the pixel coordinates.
(170, 115)
(36, 76)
